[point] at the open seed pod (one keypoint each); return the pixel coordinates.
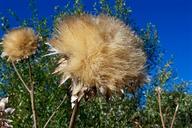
(19, 44)
(99, 53)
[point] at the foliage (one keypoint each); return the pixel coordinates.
(119, 111)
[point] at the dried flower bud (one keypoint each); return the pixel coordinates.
(100, 52)
(19, 44)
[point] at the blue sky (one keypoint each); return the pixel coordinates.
(173, 19)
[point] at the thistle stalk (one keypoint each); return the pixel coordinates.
(20, 77)
(32, 96)
(29, 90)
(74, 114)
(159, 104)
(55, 112)
(174, 116)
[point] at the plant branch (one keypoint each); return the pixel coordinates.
(33, 108)
(30, 91)
(174, 116)
(32, 96)
(54, 112)
(160, 111)
(18, 74)
(137, 124)
(74, 114)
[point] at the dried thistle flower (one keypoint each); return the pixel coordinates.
(4, 122)
(98, 53)
(19, 44)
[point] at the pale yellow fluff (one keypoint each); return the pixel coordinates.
(98, 51)
(19, 44)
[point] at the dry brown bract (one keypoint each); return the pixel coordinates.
(99, 53)
(4, 113)
(19, 44)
